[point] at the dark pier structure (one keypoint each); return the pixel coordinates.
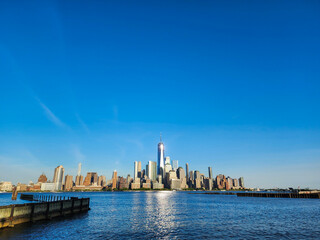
(44, 207)
(315, 195)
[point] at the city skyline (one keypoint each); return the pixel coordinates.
(232, 86)
(170, 176)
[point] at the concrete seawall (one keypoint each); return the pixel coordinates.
(11, 215)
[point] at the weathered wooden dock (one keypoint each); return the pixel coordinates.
(279, 195)
(47, 207)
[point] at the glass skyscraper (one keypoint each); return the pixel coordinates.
(160, 158)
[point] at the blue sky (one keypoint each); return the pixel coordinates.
(233, 85)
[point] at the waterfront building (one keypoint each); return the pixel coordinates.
(58, 177)
(235, 183)
(114, 179)
(91, 179)
(175, 165)
(48, 187)
(241, 182)
(152, 170)
(182, 176)
(22, 187)
(208, 184)
(102, 181)
(230, 181)
(123, 183)
(170, 181)
(210, 172)
(136, 184)
(42, 178)
(79, 180)
(157, 185)
(146, 184)
(221, 182)
(160, 158)
(5, 186)
(68, 183)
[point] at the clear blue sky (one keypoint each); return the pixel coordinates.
(231, 84)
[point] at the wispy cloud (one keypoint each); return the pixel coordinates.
(82, 123)
(50, 115)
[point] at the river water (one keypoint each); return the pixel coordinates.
(177, 215)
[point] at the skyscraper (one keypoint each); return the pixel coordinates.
(241, 182)
(167, 160)
(160, 157)
(175, 165)
(152, 170)
(79, 169)
(68, 183)
(58, 177)
(139, 170)
(114, 179)
(135, 175)
(91, 179)
(187, 171)
(210, 172)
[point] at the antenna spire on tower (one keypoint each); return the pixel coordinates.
(160, 137)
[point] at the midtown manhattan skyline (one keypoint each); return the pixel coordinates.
(227, 86)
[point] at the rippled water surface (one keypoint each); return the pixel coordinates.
(177, 215)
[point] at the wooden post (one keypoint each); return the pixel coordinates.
(14, 193)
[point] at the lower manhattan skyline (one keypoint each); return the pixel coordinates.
(232, 87)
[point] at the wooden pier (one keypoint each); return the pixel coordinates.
(311, 195)
(46, 207)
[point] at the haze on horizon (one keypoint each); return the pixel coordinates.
(231, 85)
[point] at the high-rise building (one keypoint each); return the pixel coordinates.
(139, 170)
(235, 183)
(91, 179)
(191, 175)
(68, 183)
(160, 158)
(230, 182)
(152, 170)
(197, 175)
(79, 169)
(175, 165)
(79, 180)
(210, 172)
(241, 182)
(114, 179)
(58, 177)
(187, 171)
(135, 175)
(167, 160)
